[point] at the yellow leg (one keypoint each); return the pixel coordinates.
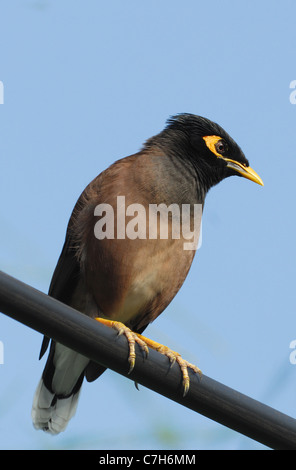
(144, 342)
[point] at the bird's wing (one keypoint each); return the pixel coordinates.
(63, 283)
(64, 280)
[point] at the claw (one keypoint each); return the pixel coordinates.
(137, 386)
(131, 361)
(120, 331)
(132, 339)
(172, 360)
(183, 364)
(143, 342)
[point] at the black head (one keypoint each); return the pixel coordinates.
(212, 151)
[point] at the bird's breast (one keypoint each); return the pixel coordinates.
(135, 280)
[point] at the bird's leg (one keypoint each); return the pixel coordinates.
(144, 343)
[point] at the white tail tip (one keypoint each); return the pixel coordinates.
(50, 413)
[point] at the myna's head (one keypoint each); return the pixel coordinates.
(213, 152)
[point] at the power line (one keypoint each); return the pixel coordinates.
(101, 344)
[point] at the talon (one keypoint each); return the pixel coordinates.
(143, 343)
(186, 386)
(137, 386)
(172, 361)
(145, 349)
(131, 360)
(174, 357)
(131, 337)
(184, 365)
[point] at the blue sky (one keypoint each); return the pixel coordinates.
(86, 83)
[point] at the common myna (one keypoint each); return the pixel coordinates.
(116, 265)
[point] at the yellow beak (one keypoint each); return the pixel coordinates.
(245, 171)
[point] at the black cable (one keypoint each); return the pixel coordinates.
(101, 344)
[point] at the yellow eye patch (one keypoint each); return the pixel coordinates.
(211, 141)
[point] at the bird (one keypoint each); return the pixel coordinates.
(126, 282)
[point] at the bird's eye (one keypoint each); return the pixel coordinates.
(221, 147)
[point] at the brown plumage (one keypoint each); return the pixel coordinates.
(131, 280)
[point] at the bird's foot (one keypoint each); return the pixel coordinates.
(132, 339)
(174, 357)
(144, 343)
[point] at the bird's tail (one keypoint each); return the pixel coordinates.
(57, 394)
